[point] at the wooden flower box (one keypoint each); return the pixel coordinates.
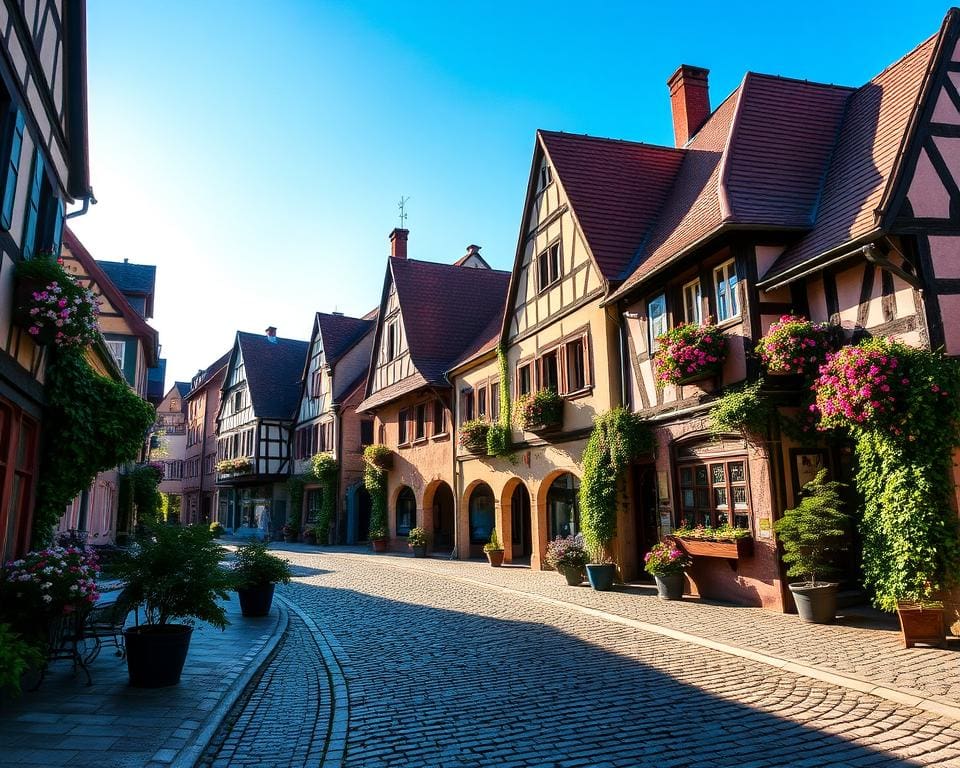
(730, 550)
(702, 375)
(921, 623)
(545, 427)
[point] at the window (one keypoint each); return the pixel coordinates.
(118, 350)
(481, 514)
(402, 426)
(482, 402)
(314, 503)
(692, 303)
(439, 420)
(12, 145)
(656, 319)
(43, 224)
(576, 365)
(466, 405)
(316, 384)
(714, 492)
(174, 404)
(524, 379)
(494, 400)
(237, 401)
(421, 422)
(366, 433)
(391, 341)
(549, 366)
(725, 280)
(548, 266)
(406, 511)
(563, 508)
(545, 177)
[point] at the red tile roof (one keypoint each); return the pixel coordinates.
(871, 141)
(616, 189)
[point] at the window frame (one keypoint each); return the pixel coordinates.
(420, 421)
(731, 292)
(554, 264)
(659, 325)
(697, 304)
(403, 431)
(438, 419)
(712, 514)
(122, 346)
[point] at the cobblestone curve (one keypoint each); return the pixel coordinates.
(451, 675)
(282, 720)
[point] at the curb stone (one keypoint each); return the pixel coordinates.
(189, 754)
(331, 652)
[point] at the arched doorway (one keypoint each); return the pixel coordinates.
(521, 536)
(406, 511)
(481, 518)
(442, 518)
(563, 506)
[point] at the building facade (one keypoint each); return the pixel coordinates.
(199, 482)
(170, 433)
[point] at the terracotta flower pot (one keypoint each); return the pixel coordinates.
(495, 557)
(921, 623)
(379, 545)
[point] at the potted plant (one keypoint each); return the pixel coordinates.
(726, 541)
(493, 550)
(255, 575)
(52, 305)
(417, 540)
(473, 435)
(567, 555)
(539, 411)
(666, 564)
(810, 533)
(17, 656)
(175, 573)
(689, 353)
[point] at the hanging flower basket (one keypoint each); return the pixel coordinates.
(795, 345)
(539, 412)
(473, 435)
(52, 306)
(379, 457)
(689, 353)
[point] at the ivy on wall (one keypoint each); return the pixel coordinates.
(498, 436)
(326, 470)
(375, 481)
(91, 424)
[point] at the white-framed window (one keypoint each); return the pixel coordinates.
(656, 318)
(548, 266)
(692, 303)
(545, 177)
(118, 349)
(725, 283)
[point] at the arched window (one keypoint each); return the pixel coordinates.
(406, 511)
(481, 514)
(563, 509)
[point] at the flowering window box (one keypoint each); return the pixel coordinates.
(701, 375)
(689, 353)
(729, 549)
(539, 412)
(473, 436)
(232, 467)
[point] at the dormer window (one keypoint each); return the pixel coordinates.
(237, 401)
(545, 177)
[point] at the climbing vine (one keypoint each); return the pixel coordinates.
(326, 470)
(901, 406)
(375, 481)
(96, 424)
(618, 437)
(744, 410)
(498, 436)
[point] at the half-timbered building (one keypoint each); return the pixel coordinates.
(43, 151)
(200, 452)
(170, 432)
(838, 203)
(258, 403)
(333, 383)
(430, 316)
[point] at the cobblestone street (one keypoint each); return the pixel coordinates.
(440, 672)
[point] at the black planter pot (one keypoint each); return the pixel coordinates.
(816, 603)
(256, 601)
(601, 575)
(156, 653)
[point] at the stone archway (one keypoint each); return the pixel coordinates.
(438, 515)
(516, 521)
(557, 511)
(479, 505)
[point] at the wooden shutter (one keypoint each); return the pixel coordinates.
(13, 143)
(33, 207)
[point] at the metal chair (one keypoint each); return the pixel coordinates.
(104, 625)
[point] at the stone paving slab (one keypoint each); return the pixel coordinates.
(445, 672)
(863, 645)
(110, 724)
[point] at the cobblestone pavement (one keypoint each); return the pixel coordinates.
(449, 674)
(283, 718)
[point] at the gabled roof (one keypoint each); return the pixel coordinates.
(182, 387)
(273, 370)
(445, 310)
(338, 333)
(139, 279)
(204, 376)
(872, 142)
(615, 188)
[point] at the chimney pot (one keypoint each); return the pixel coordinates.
(689, 101)
(398, 243)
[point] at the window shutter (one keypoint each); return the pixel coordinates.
(33, 207)
(12, 144)
(56, 226)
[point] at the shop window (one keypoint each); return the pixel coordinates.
(481, 514)
(714, 493)
(406, 511)
(563, 508)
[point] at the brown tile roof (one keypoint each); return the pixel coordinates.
(871, 141)
(445, 310)
(273, 371)
(616, 189)
(338, 333)
(485, 342)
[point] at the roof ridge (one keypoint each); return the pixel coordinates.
(908, 54)
(723, 199)
(450, 266)
(610, 139)
(802, 81)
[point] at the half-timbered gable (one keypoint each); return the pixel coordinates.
(258, 403)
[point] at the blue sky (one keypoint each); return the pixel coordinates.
(256, 152)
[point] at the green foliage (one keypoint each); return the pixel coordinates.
(16, 657)
(538, 409)
(327, 471)
(723, 532)
(375, 481)
(813, 530)
(144, 494)
(498, 436)
(98, 423)
(744, 410)
(255, 567)
(418, 537)
(216, 529)
(904, 456)
(175, 573)
(494, 544)
(618, 437)
(473, 434)
(170, 504)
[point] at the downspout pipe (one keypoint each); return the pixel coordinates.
(88, 200)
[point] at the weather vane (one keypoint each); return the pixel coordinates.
(402, 206)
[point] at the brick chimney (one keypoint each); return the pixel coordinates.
(398, 243)
(689, 100)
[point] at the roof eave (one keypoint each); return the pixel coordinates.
(823, 260)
